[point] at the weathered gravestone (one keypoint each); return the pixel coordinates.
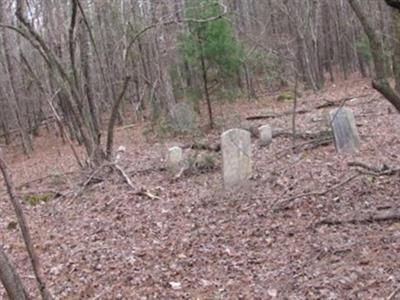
(265, 133)
(236, 155)
(183, 118)
(345, 133)
(174, 159)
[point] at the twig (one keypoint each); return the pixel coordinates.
(272, 115)
(140, 192)
(375, 172)
(86, 183)
(294, 114)
(392, 216)
(281, 205)
(392, 295)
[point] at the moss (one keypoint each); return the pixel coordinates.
(36, 199)
(286, 96)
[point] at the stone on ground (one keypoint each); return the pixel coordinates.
(174, 159)
(265, 133)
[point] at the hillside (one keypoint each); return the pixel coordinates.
(196, 241)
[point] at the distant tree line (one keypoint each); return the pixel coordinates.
(78, 68)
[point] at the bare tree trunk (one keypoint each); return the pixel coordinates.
(380, 82)
(87, 81)
(11, 280)
(206, 91)
(113, 117)
(396, 48)
(15, 101)
(25, 231)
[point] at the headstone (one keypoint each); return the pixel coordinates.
(236, 155)
(174, 159)
(344, 130)
(183, 118)
(265, 133)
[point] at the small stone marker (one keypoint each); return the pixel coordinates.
(345, 133)
(265, 133)
(236, 155)
(174, 159)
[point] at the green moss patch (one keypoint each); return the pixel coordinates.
(35, 199)
(286, 96)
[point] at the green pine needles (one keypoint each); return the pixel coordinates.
(209, 46)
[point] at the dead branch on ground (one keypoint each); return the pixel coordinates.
(393, 216)
(327, 103)
(363, 170)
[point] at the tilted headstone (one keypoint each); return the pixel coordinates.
(345, 133)
(174, 159)
(265, 133)
(236, 155)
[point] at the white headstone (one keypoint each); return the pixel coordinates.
(174, 159)
(236, 155)
(344, 130)
(265, 133)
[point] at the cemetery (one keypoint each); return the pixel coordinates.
(199, 149)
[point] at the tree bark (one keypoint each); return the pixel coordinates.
(23, 224)
(11, 280)
(380, 81)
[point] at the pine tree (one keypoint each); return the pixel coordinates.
(209, 46)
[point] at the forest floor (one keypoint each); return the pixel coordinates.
(197, 241)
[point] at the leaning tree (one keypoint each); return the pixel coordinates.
(380, 80)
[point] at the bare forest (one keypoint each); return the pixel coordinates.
(199, 149)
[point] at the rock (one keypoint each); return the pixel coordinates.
(175, 285)
(344, 130)
(265, 134)
(174, 159)
(236, 154)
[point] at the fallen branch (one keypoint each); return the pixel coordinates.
(302, 135)
(283, 204)
(90, 178)
(272, 115)
(387, 217)
(327, 103)
(392, 295)
(141, 191)
(309, 145)
(371, 171)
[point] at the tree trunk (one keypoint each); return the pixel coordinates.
(23, 224)
(11, 280)
(206, 91)
(380, 82)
